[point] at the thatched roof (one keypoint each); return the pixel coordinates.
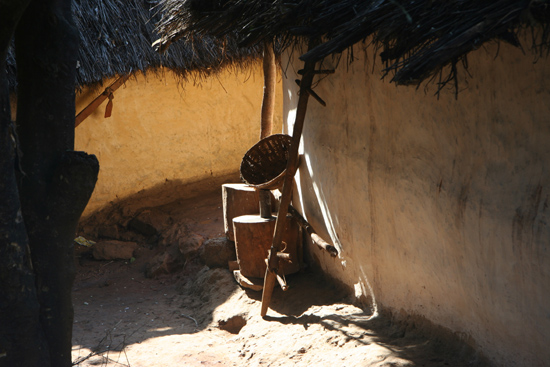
(415, 39)
(116, 38)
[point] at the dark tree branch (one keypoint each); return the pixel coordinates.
(22, 341)
(58, 182)
(10, 13)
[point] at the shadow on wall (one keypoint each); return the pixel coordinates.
(161, 194)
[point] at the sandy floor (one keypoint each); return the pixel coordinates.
(201, 317)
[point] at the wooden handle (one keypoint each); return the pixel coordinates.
(321, 243)
(282, 282)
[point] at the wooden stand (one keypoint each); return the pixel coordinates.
(253, 237)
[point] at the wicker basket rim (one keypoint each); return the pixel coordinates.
(274, 182)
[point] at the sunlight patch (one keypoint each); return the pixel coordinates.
(160, 329)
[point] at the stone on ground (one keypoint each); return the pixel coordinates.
(114, 250)
(217, 252)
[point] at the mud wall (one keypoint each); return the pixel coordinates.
(165, 134)
(439, 207)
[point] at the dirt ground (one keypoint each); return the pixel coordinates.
(199, 316)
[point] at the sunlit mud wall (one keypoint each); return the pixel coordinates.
(439, 207)
(165, 135)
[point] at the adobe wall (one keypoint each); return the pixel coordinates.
(165, 133)
(439, 207)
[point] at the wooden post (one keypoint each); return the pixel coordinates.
(292, 164)
(268, 102)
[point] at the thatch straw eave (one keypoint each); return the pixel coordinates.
(116, 40)
(415, 39)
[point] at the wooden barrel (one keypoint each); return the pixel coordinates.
(253, 238)
(238, 199)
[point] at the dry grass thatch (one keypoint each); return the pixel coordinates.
(116, 38)
(415, 39)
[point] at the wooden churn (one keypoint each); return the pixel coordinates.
(263, 167)
(238, 199)
(253, 238)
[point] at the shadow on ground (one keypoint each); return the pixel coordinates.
(125, 318)
(313, 313)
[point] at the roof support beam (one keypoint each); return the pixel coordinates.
(268, 102)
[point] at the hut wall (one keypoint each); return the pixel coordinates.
(440, 208)
(166, 136)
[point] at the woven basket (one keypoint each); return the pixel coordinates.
(264, 165)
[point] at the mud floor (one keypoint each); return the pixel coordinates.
(199, 316)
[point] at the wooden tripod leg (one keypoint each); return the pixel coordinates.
(269, 283)
(292, 164)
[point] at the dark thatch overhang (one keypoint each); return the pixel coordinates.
(416, 39)
(116, 38)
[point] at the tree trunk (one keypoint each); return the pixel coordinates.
(238, 199)
(57, 182)
(22, 342)
(268, 102)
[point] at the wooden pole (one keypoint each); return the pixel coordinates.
(268, 102)
(292, 165)
(107, 93)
